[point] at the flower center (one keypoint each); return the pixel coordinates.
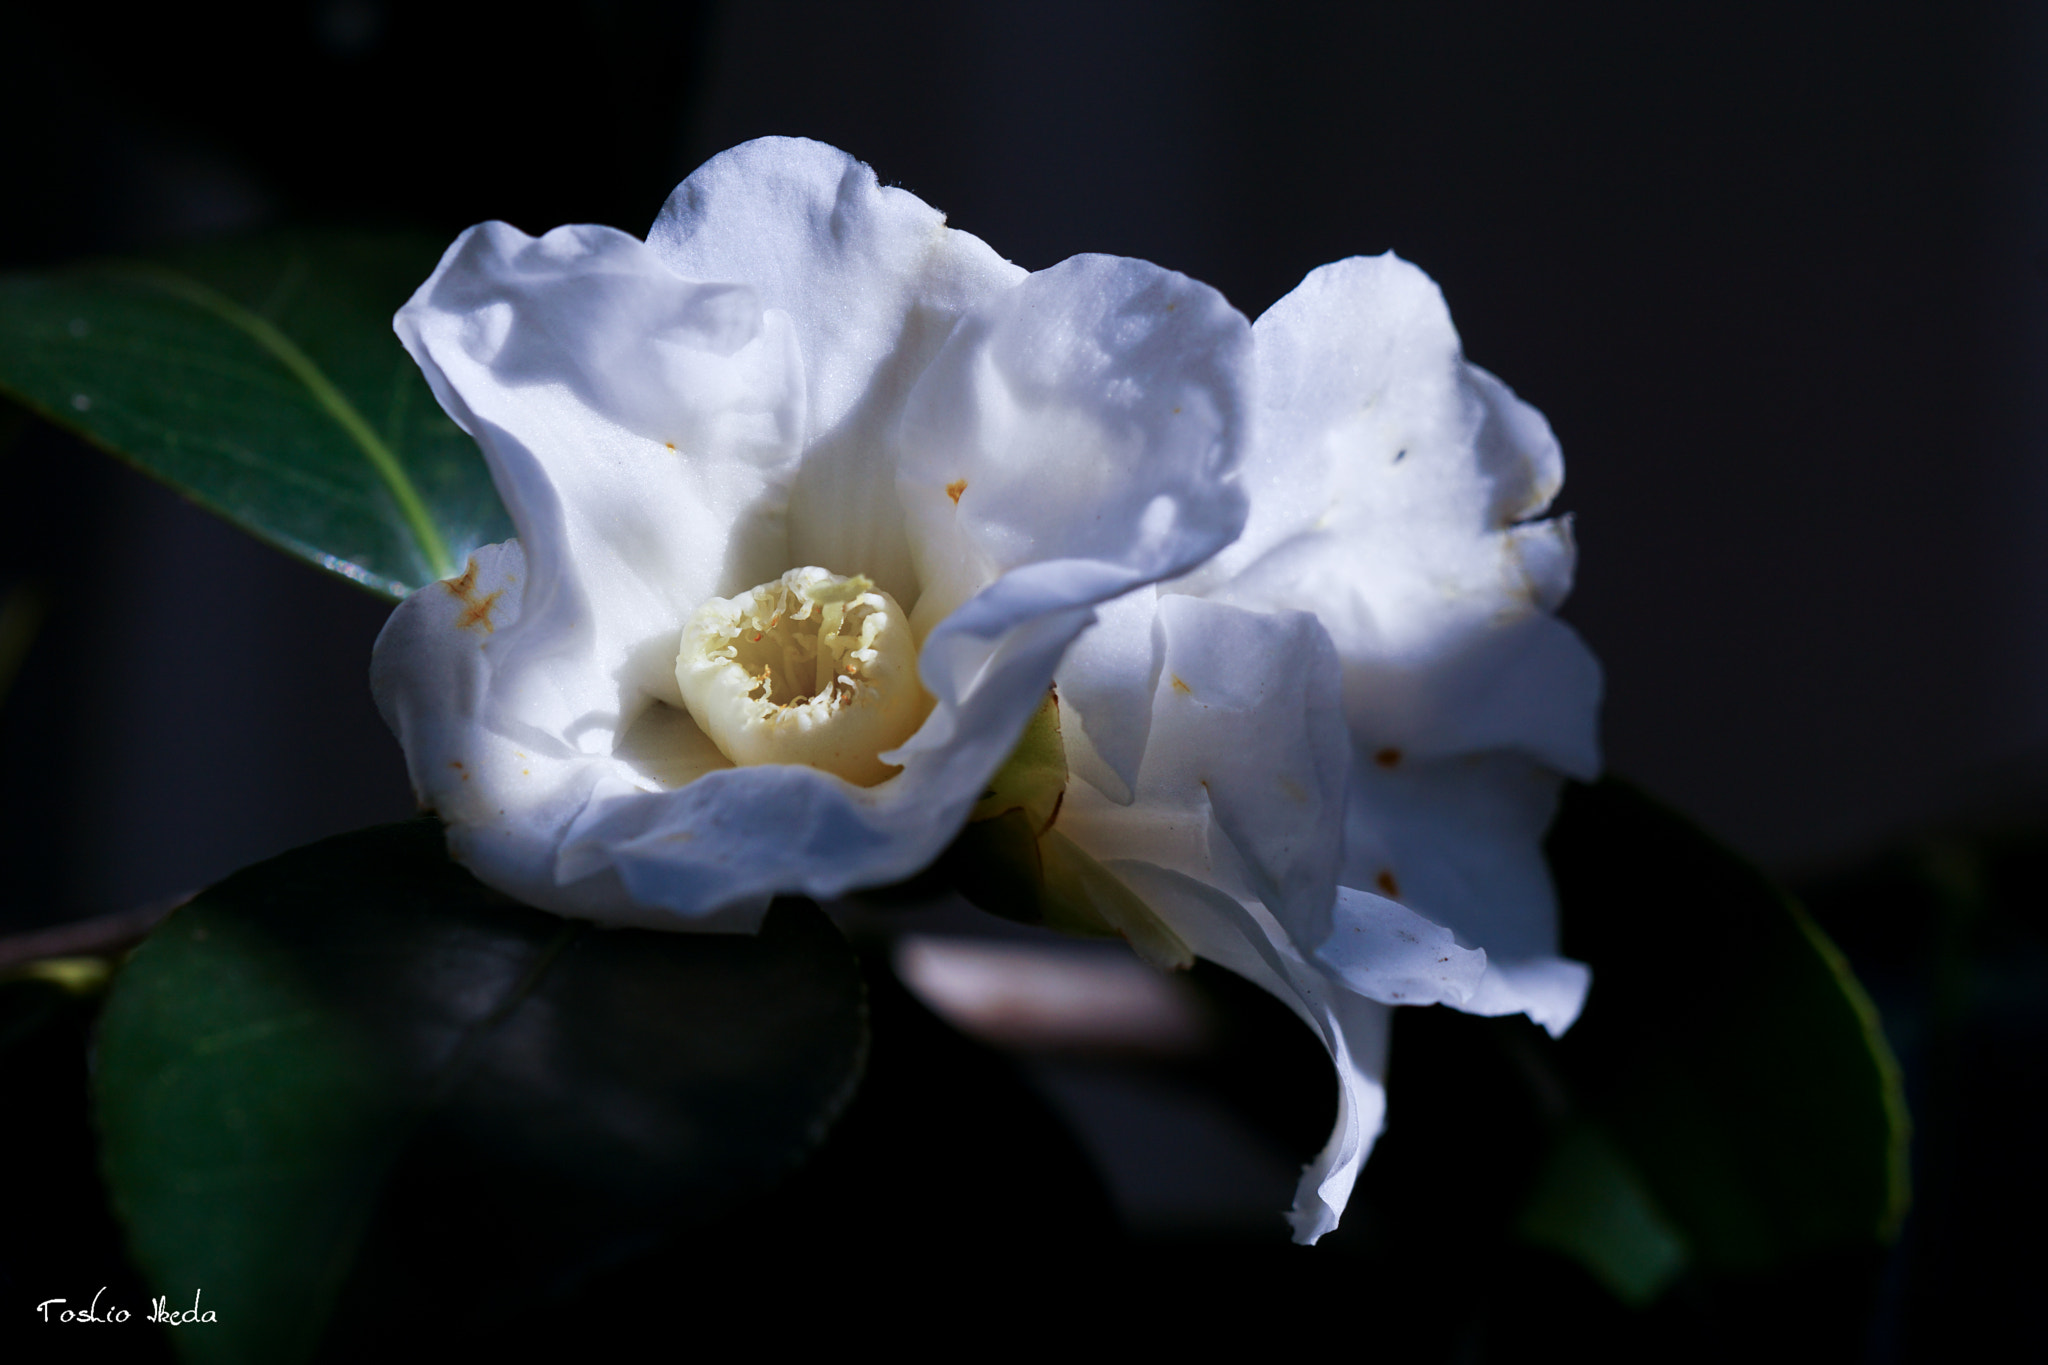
(813, 668)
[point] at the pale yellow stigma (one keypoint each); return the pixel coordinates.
(813, 668)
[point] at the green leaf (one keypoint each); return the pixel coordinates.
(1726, 1048)
(262, 379)
(352, 1077)
(1590, 1203)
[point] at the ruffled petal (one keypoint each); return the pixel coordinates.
(1242, 783)
(1391, 482)
(1235, 837)
(1093, 413)
(1246, 717)
(503, 801)
(1137, 373)
(1460, 842)
(1106, 682)
(1386, 952)
(873, 281)
(1352, 1028)
(642, 429)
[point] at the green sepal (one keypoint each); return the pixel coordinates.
(1048, 880)
(1033, 779)
(1012, 862)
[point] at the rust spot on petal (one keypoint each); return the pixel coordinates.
(1389, 888)
(955, 489)
(476, 611)
(456, 764)
(1182, 687)
(670, 444)
(1388, 758)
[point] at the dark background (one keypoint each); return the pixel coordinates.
(1778, 275)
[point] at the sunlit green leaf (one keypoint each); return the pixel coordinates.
(352, 1084)
(262, 379)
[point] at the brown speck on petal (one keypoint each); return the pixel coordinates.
(1389, 888)
(955, 489)
(1182, 687)
(476, 611)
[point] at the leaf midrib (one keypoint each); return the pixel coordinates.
(323, 392)
(440, 1083)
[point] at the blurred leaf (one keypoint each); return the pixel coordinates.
(1590, 1203)
(262, 379)
(21, 618)
(354, 1084)
(1726, 1048)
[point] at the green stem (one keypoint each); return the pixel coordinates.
(287, 353)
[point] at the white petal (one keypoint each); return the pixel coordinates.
(873, 280)
(1388, 481)
(1386, 952)
(642, 429)
(1235, 836)
(1242, 781)
(1245, 718)
(1460, 842)
(1550, 990)
(1103, 353)
(503, 800)
(1352, 1028)
(1093, 413)
(1106, 684)
(1528, 685)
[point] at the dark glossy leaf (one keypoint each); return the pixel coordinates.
(353, 1084)
(1590, 1203)
(1726, 1049)
(262, 379)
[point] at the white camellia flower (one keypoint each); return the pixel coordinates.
(1327, 758)
(815, 496)
(812, 494)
